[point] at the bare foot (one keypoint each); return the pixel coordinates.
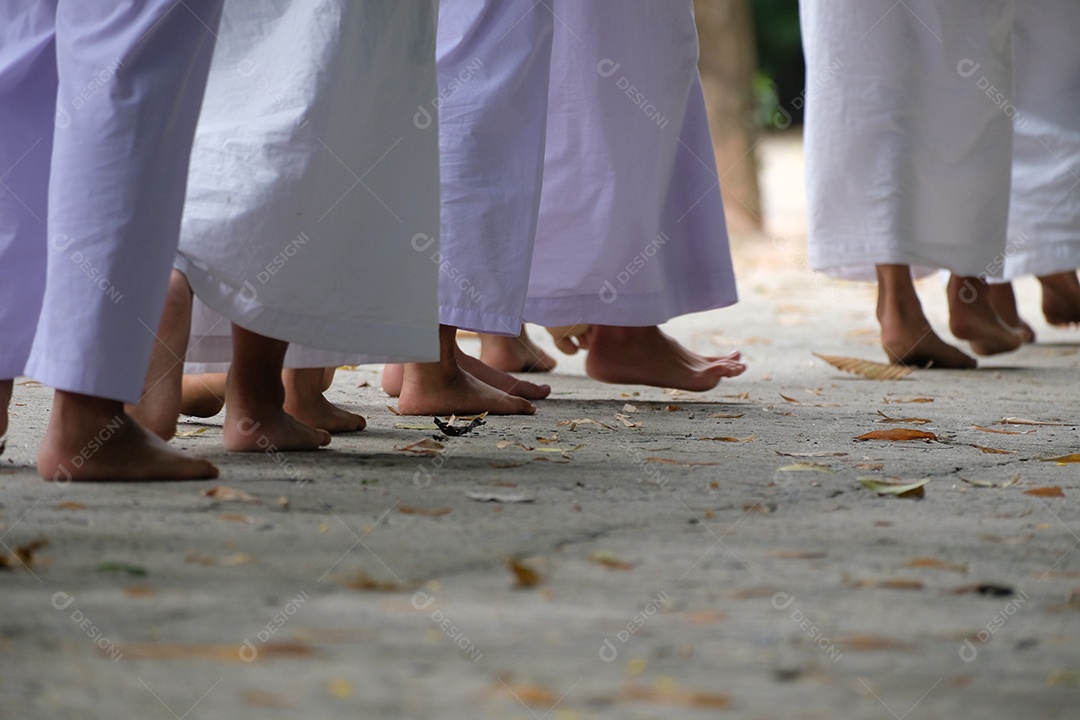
(972, 318)
(93, 439)
(1061, 298)
(571, 338)
(518, 354)
(906, 335)
(203, 395)
(255, 419)
(304, 400)
(1003, 301)
(500, 380)
(6, 387)
(646, 356)
(444, 388)
(159, 407)
(428, 389)
(393, 378)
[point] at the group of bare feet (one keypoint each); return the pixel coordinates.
(984, 315)
(268, 409)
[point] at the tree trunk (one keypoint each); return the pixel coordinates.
(728, 62)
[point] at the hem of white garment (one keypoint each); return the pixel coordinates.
(624, 310)
(401, 344)
(1045, 260)
(480, 322)
(87, 379)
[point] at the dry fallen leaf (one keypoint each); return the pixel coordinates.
(1045, 492)
(506, 498)
(906, 489)
(791, 400)
(426, 447)
(228, 494)
(610, 561)
(870, 466)
(362, 581)
(936, 564)
(796, 555)
(911, 420)
(862, 642)
(994, 451)
(1022, 421)
(726, 416)
(214, 653)
(393, 409)
(22, 555)
(898, 434)
(524, 576)
(741, 396)
(806, 467)
(236, 517)
(426, 512)
(866, 368)
(980, 428)
(532, 695)
(887, 584)
(190, 433)
(750, 438)
(670, 461)
(627, 421)
(1064, 459)
(898, 401)
(583, 421)
(811, 454)
(675, 696)
(70, 505)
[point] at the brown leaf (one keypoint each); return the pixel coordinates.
(22, 555)
(532, 695)
(69, 505)
(611, 562)
(393, 409)
(1064, 459)
(888, 584)
(797, 555)
(751, 438)
(675, 696)
(524, 576)
(980, 428)
(936, 564)
(426, 512)
(866, 368)
(898, 434)
(236, 517)
(910, 420)
(627, 421)
(898, 401)
(725, 416)
(670, 461)
(365, 583)
(426, 447)
(672, 408)
(811, 454)
(583, 421)
(741, 396)
(1022, 421)
(213, 653)
(791, 400)
(228, 494)
(863, 642)
(994, 451)
(140, 591)
(907, 489)
(1045, 492)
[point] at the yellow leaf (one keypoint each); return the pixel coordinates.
(994, 451)
(866, 368)
(1064, 459)
(340, 688)
(905, 489)
(806, 467)
(191, 433)
(524, 576)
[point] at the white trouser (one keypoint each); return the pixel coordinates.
(98, 105)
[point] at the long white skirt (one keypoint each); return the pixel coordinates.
(313, 200)
(631, 229)
(908, 144)
(1044, 215)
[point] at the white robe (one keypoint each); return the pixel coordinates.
(98, 103)
(1044, 214)
(313, 200)
(907, 155)
(631, 229)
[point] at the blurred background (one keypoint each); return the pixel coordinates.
(753, 72)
